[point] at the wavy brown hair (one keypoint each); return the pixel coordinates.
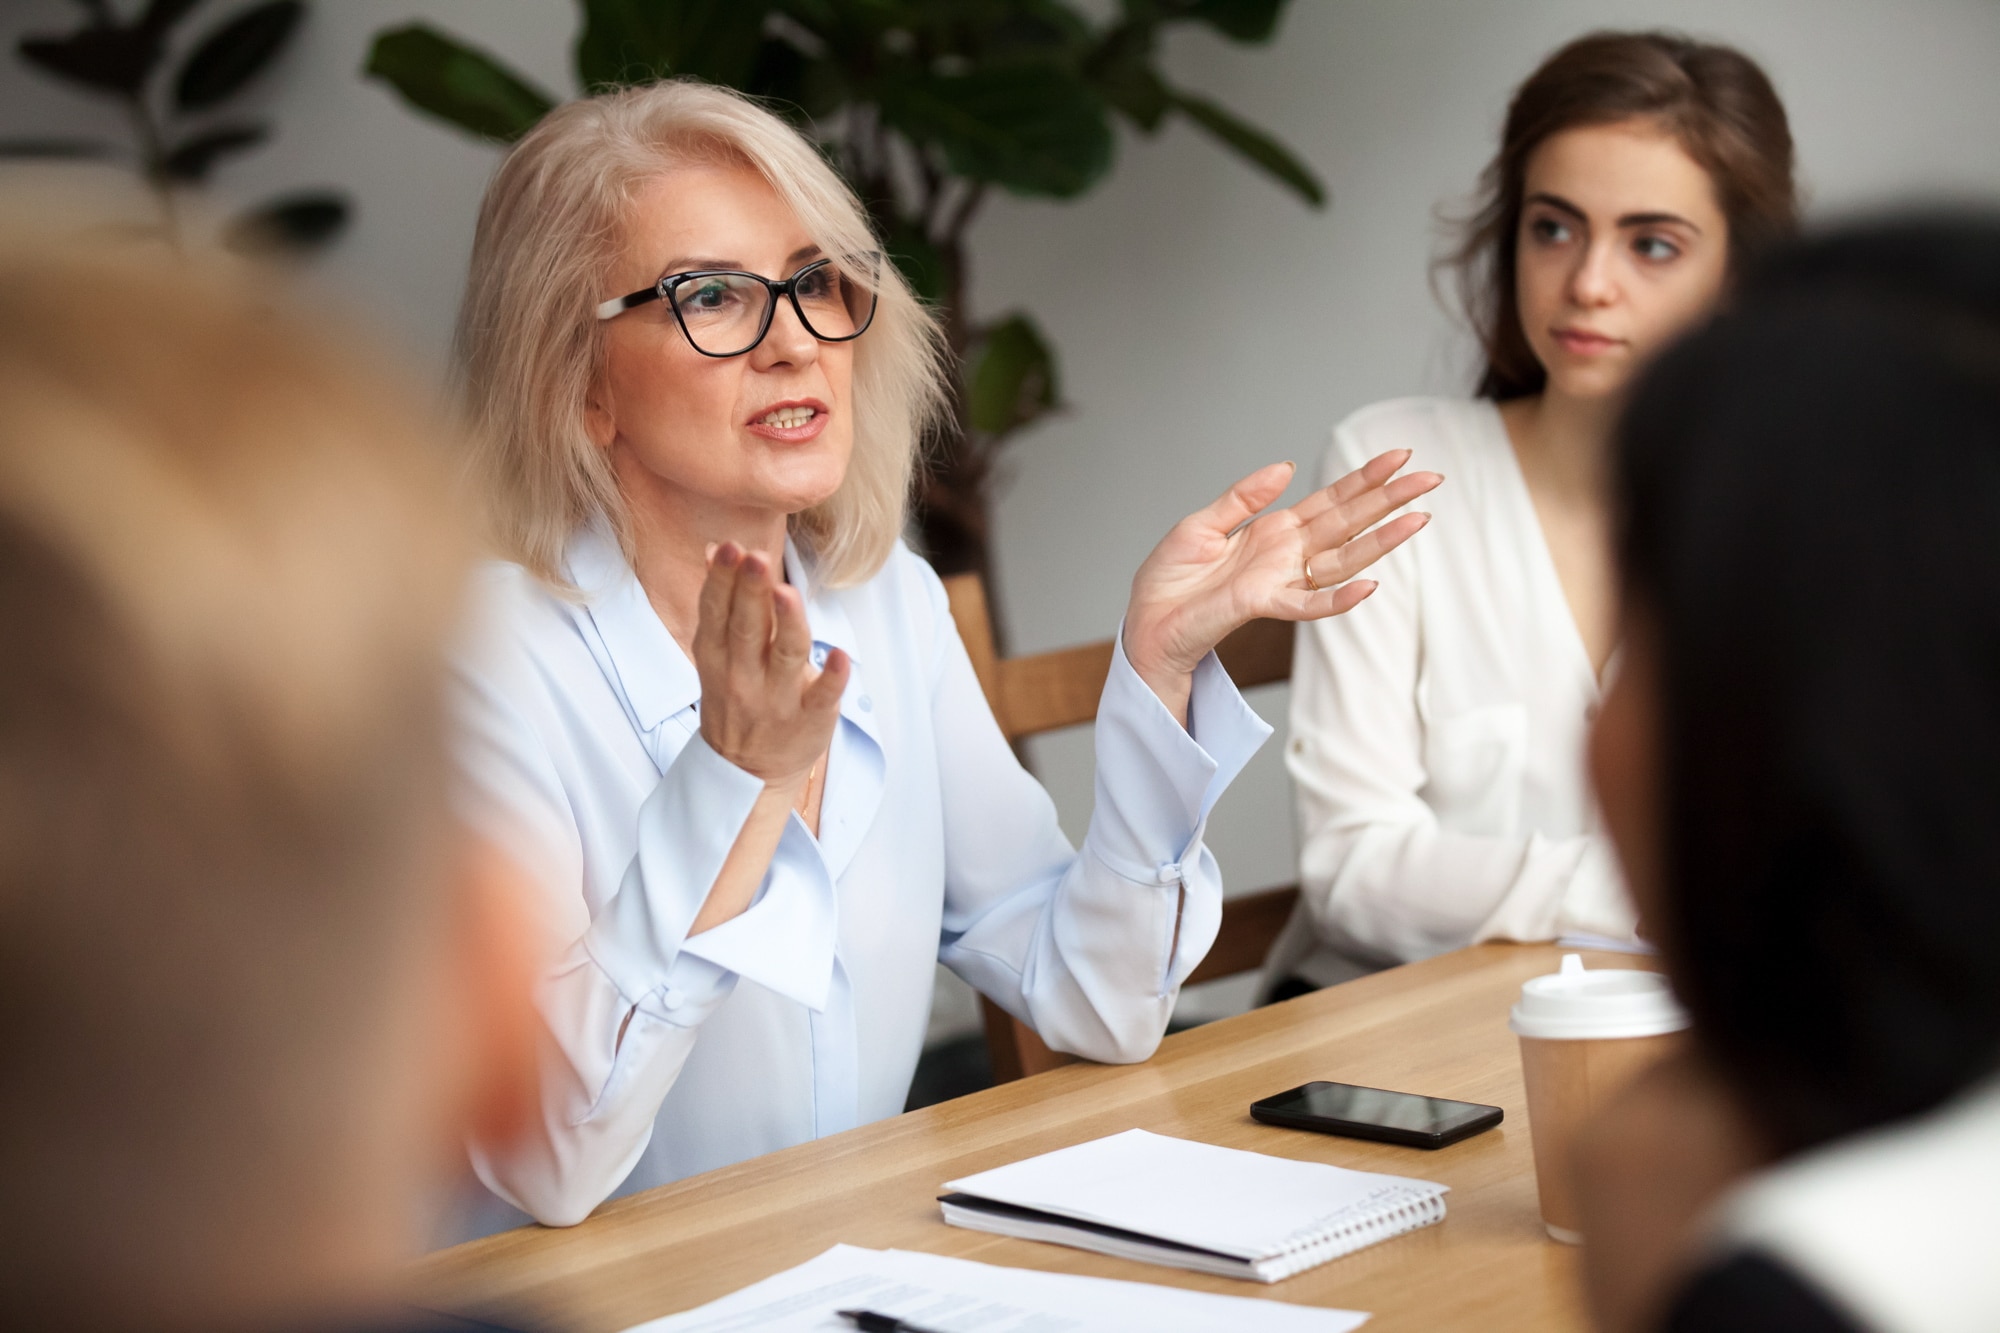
(1713, 99)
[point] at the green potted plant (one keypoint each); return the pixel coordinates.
(179, 110)
(926, 106)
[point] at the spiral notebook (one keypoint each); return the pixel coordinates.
(1193, 1205)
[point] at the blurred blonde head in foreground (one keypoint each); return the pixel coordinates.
(249, 994)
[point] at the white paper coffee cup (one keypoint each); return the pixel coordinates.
(1584, 1034)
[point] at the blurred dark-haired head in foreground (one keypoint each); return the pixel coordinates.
(253, 985)
(1801, 766)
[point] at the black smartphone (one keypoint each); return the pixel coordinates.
(1376, 1113)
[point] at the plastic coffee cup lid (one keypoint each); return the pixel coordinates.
(1577, 1003)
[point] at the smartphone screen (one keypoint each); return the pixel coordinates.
(1399, 1117)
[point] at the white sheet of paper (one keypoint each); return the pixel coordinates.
(959, 1296)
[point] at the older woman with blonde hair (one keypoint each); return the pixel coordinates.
(720, 712)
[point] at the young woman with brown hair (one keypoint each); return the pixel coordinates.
(1437, 736)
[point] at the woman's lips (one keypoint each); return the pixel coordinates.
(1577, 342)
(790, 422)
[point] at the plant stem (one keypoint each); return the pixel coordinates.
(153, 160)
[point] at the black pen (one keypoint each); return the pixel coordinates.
(870, 1322)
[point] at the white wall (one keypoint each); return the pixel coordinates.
(1207, 322)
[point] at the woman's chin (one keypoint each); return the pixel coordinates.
(1591, 382)
(795, 495)
(804, 479)
(801, 503)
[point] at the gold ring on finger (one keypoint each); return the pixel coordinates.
(1311, 582)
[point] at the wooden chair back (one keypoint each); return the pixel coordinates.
(1045, 692)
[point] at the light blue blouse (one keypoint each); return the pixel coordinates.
(805, 1015)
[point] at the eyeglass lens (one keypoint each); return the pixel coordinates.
(726, 314)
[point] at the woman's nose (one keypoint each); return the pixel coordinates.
(789, 342)
(1593, 282)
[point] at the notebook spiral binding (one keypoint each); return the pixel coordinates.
(1390, 1212)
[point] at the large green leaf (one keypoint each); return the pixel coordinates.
(109, 59)
(440, 75)
(1244, 20)
(236, 53)
(1121, 69)
(55, 149)
(1013, 378)
(161, 15)
(1032, 128)
(291, 225)
(635, 41)
(797, 84)
(817, 15)
(1240, 20)
(1254, 144)
(192, 159)
(1003, 30)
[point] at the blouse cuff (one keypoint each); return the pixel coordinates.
(784, 940)
(1157, 780)
(686, 829)
(693, 989)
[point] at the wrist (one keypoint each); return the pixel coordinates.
(793, 785)
(788, 784)
(788, 788)
(1170, 683)
(1150, 658)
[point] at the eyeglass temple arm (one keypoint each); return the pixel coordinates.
(618, 305)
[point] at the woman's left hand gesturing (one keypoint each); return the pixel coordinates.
(1228, 564)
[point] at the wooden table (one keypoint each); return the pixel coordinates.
(1436, 1027)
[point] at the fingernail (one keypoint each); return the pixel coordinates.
(708, 551)
(727, 554)
(1425, 516)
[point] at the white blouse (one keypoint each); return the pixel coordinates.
(1438, 728)
(805, 1015)
(1898, 1225)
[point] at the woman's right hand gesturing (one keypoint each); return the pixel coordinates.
(764, 707)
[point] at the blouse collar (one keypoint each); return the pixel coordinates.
(657, 678)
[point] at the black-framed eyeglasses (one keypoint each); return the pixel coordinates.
(725, 312)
